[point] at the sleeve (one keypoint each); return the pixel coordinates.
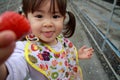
(16, 64)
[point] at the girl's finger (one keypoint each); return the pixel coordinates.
(6, 38)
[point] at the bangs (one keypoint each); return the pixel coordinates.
(31, 5)
(34, 5)
(61, 4)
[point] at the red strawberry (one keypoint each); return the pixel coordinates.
(13, 21)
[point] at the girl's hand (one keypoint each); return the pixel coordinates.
(7, 44)
(12, 28)
(85, 53)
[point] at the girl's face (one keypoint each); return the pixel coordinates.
(46, 24)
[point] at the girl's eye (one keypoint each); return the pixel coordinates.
(39, 16)
(56, 16)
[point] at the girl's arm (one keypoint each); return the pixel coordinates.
(14, 68)
(3, 72)
(7, 44)
(85, 53)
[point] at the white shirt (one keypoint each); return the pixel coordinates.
(19, 69)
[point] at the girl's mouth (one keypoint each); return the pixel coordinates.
(48, 34)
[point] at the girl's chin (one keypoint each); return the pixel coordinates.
(49, 41)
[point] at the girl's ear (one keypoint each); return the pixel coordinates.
(64, 17)
(23, 14)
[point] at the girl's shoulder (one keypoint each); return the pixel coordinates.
(21, 44)
(62, 38)
(65, 41)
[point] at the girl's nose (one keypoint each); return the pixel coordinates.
(48, 24)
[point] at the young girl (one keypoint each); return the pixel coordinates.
(45, 54)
